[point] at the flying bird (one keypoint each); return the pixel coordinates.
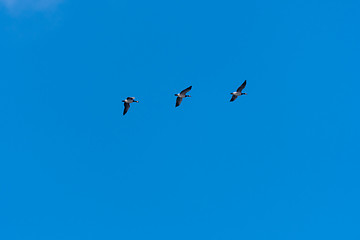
(127, 102)
(238, 92)
(182, 95)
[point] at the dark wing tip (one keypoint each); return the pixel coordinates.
(233, 98)
(178, 101)
(242, 86)
(186, 90)
(126, 107)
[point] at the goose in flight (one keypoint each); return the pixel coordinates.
(182, 95)
(127, 102)
(238, 92)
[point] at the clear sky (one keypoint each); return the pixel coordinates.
(280, 163)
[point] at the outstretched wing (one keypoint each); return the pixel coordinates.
(130, 98)
(233, 98)
(126, 107)
(183, 92)
(178, 101)
(242, 86)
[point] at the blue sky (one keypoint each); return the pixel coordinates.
(279, 163)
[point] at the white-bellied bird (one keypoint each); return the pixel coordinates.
(182, 95)
(238, 92)
(127, 102)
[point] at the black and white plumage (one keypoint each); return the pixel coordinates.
(182, 95)
(238, 92)
(127, 102)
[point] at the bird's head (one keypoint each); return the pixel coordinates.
(244, 93)
(187, 96)
(136, 101)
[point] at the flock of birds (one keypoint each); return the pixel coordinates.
(183, 94)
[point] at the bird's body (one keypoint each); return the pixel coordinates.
(182, 95)
(127, 102)
(238, 92)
